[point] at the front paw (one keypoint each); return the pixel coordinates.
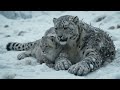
(79, 69)
(62, 65)
(21, 56)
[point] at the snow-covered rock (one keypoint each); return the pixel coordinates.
(27, 14)
(16, 14)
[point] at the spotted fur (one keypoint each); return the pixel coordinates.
(86, 47)
(44, 50)
(82, 48)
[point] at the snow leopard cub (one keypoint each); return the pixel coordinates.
(44, 50)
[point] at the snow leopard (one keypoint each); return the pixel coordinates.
(85, 48)
(45, 50)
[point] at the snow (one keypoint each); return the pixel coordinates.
(31, 29)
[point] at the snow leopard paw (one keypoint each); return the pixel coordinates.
(62, 65)
(80, 69)
(21, 56)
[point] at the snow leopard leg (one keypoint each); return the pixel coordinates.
(90, 63)
(24, 55)
(62, 63)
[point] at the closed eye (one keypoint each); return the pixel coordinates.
(65, 28)
(56, 28)
(48, 46)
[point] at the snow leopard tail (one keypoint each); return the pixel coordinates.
(15, 46)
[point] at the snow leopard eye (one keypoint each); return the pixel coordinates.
(65, 28)
(56, 28)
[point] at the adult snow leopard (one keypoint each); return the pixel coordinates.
(86, 47)
(44, 50)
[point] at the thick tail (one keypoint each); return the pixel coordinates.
(15, 46)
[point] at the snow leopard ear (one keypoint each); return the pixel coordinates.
(76, 20)
(54, 20)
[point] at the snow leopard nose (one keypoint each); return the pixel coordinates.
(59, 37)
(43, 51)
(62, 38)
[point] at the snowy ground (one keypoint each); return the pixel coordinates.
(32, 29)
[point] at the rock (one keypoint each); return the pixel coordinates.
(9, 14)
(16, 14)
(6, 26)
(21, 33)
(112, 27)
(100, 18)
(7, 36)
(118, 26)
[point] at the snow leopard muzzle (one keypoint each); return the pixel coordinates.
(62, 40)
